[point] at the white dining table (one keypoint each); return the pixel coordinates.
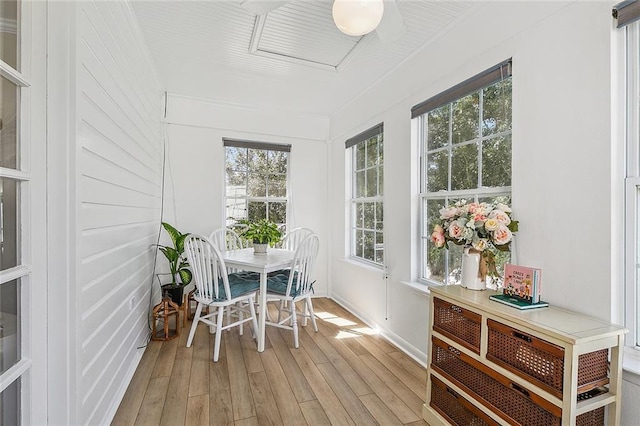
(246, 260)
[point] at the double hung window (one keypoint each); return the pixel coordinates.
(628, 14)
(465, 153)
(256, 181)
(367, 179)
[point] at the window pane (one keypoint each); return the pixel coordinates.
(435, 262)
(257, 211)
(360, 156)
(277, 186)
(369, 215)
(278, 213)
(359, 241)
(359, 215)
(10, 404)
(379, 248)
(257, 185)
(465, 118)
(432, 215)
(496, 162)
(454, 259)
(278, 161)
(8, 108)
(258, 161)
(379, 218)
(369, 244)
(372, 182)
(9, 33)
(380, 181)
(9, 325)
(236, 209)
(496, 106)
(236, 159)
(438, 171)
(360, 184)
(372, 152)
(236, 184)
(9, 223)
(438, 127)
(464, 167)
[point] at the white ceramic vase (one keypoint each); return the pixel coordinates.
(260, 248)
(471, 276)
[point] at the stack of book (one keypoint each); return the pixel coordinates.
(521, 288)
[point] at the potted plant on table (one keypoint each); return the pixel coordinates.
(262, 234)
(178, 265)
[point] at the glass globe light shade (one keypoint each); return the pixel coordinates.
(357, 17)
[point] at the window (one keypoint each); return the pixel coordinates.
(256, 181)
(627, 15)
(15, 271)
(367, 158)
(465, 153)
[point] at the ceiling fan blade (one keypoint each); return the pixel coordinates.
(262, 7)
(392, 26)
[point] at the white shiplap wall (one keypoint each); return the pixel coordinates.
(119, 155)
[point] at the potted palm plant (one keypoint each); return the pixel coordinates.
(178, 265)
(262, 234)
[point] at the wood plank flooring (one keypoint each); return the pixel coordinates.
(342, 375)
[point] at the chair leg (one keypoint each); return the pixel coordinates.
(240, 317)
(280, 308)
(252, 310)
(194, 324)
(309, 307)
(216, 347)
(294, 325)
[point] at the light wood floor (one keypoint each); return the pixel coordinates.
(342, 375)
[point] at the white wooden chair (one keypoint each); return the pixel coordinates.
(217, 288)
(226, 239)
(294, 285)
(293, 238)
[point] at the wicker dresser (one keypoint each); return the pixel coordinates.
(492, 364)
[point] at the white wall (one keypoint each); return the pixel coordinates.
(116, 182)
(563, 164)
(195, 175)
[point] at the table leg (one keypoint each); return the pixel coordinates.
(263, 311)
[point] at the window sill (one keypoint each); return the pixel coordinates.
(363, 264)
(631, 364)
(418, 288)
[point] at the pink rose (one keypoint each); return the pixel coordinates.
(456, 231)
(448, 212)
(437, 238)
(502, 235)
(500, 216)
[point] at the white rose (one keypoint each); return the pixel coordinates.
(500, 216)
(502, 235)
(503, 207)
(448, 212)
(491, 224)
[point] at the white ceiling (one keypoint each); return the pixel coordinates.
(293, 58)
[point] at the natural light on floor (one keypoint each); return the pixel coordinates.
(343, 322)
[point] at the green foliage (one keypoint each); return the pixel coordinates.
(262, 231)
(178, 265)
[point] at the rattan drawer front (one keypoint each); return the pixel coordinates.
(542, 362)
(507, 399)
(455, 408)
(458, 324)
(591, 418)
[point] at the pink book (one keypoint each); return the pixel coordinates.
(522, 282)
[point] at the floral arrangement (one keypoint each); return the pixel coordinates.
(481, 226)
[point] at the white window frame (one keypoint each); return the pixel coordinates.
(632, 200)
(247, 199)
(354, 200)
(23, 177)
(474, 193)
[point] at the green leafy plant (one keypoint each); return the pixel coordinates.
(178, 265)
(260, 232)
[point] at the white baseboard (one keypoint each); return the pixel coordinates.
(117, 400)
(419, 356)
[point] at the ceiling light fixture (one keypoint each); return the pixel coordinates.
(357, 17)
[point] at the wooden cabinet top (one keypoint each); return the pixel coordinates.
(565, 325)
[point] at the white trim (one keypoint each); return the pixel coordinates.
(12, 374)
(14, 273)
(12, 75)
(419, 288)
(631, 243)
(415, 353)
(14, 174)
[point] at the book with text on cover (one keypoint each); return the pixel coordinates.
(516, 302)
(522, 282)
